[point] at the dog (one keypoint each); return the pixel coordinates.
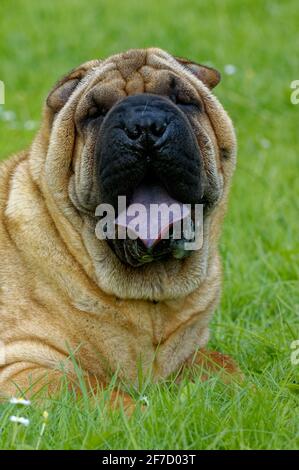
(141, 124)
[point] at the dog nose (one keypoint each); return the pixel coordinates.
(147, 127)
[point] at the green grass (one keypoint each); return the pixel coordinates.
(258, 315)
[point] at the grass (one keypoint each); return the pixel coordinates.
(258, 315)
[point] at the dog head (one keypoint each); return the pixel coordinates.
(143, 125)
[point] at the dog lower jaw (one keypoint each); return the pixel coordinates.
(132, 252)
(136, 253)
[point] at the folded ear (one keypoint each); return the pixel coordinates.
(67, 85)
(209, 76)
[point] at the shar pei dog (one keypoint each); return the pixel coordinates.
(142, 125)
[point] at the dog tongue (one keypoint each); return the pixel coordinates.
(144, 219)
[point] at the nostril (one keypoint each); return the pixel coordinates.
(158, 129)
(134, 132)
(147, 129)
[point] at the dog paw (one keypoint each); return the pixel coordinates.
(207, 364)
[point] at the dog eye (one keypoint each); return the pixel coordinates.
(185, 101)
(95, 112)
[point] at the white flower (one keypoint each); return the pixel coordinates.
(144, 399)
(29, 125)
(20, 420)
(19, 401)
(265, 143)
(8, 115)
(230, 69)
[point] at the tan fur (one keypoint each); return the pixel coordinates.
(64, 290)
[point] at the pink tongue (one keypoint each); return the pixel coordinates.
(151, 214)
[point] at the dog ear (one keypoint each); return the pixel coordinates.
(63, 89)
(209, 76)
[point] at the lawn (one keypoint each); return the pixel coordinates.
(259, 312)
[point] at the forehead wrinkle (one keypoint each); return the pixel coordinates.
(153, 58)
(167, 62)
(136, 83)
(115, 63)
(99, 74)
(129, 62)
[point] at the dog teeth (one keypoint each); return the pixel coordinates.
(146, 258)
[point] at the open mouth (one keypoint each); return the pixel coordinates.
(153, 226)
(158, 213)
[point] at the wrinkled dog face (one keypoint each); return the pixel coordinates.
(146, 126)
